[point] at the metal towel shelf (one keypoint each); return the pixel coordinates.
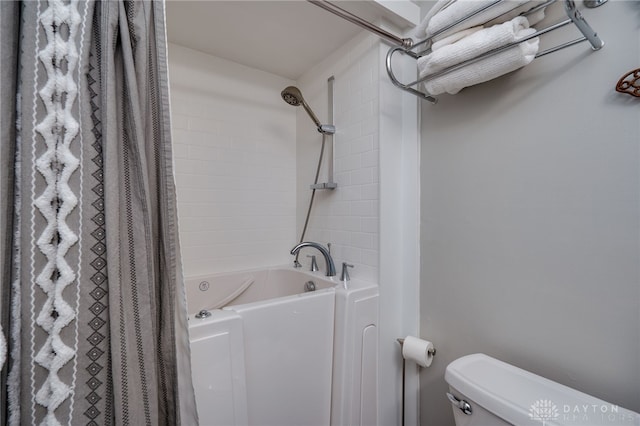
(408, 47)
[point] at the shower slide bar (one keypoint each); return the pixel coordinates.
(408, 47)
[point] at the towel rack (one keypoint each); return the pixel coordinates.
(407, 46)
(573, 17)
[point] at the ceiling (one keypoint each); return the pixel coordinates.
(286, 38)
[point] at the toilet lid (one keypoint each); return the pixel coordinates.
(523, 398)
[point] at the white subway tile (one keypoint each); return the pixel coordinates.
(340, 208)
(370, 192)
(180, 150)
(370, 158)
(239, 169)
(369, 224)
(362, 144)
(370, 257)
(370, 91)
(205, 125)
(364, 208)
(349, 132)
(180, 136)
(370, 125)
(179, 121)
(363, 240)
(340, 237)
(348, 163)
(343, 178)
(362, 176)
(352, 255)
(204, 153)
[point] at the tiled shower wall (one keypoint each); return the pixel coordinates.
(245, 160)
(347, 217)
(235, 158)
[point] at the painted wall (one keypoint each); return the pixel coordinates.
(530, 220)
(235, 157)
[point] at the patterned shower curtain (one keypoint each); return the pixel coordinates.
(91, 301)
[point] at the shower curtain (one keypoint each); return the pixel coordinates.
(92, 303)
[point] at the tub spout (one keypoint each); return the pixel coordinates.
(331, 267)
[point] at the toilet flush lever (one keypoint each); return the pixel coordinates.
(463, 405)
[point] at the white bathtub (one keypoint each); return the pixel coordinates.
(272, 353)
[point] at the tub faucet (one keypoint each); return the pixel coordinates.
(345, 272)
(331, 267)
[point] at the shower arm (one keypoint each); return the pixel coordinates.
(310, 112)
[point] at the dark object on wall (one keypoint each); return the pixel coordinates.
(630, 83)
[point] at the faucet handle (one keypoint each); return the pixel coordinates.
(345, 272)
(314, 264)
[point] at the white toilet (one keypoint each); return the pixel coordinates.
(488, 392)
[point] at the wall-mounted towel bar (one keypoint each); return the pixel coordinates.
(416, 50)
(345, 14)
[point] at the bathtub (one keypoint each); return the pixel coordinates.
(283, 347)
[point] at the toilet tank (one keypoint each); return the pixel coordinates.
(518, 397)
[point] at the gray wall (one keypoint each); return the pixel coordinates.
(530, 220)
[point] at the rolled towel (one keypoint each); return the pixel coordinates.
(473, 46)
(454, 38)
(419, 32)
(533, 18)
(452, 12)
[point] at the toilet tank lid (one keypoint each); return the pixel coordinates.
(523, 398)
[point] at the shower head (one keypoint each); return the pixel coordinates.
(293, 96)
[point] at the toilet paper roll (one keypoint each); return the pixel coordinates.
(418, 350)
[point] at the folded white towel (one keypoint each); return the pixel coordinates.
(533, 18)
(419, 32)
(454, 37)
(453, 11)
(471, 47)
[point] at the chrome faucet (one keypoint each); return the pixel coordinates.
(345, 272)
(331, 267)
(314, 264)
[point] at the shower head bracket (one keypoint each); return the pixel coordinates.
(324, 185)
(327, 129)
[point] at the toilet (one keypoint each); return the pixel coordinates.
(487, 392)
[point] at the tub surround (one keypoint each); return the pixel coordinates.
(284, 356)
(370, 118)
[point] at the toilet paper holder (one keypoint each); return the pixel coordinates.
(432, 352)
